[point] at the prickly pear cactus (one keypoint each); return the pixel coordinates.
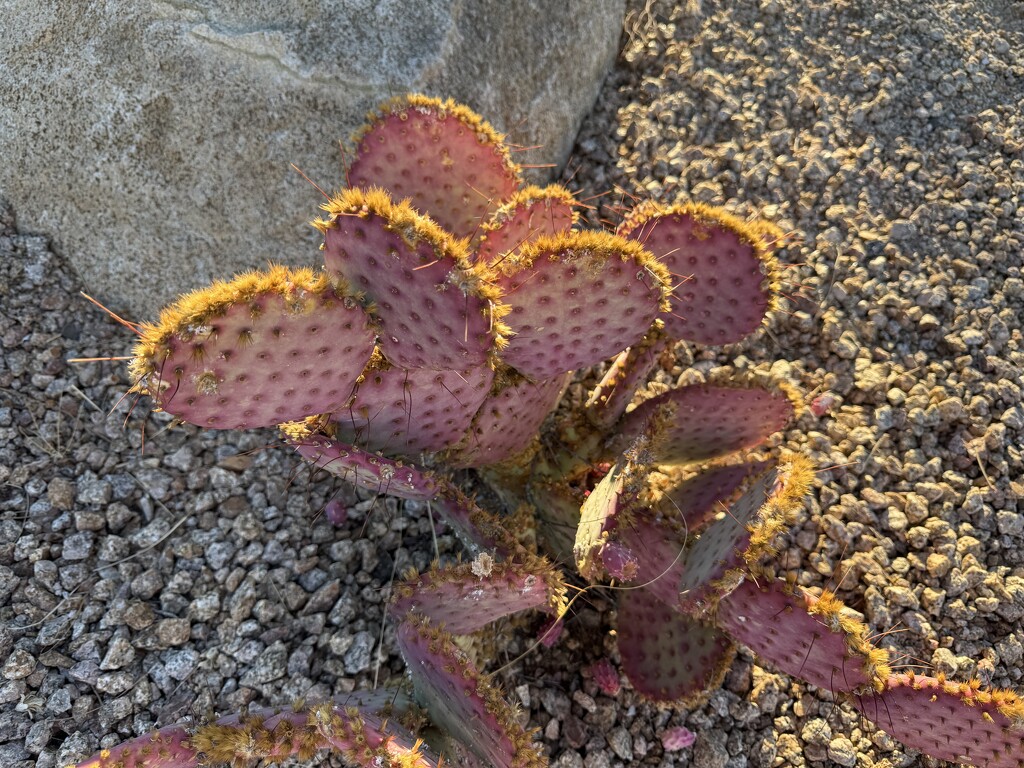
(450, 312)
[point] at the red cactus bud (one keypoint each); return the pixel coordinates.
(550, 632)
(606, 677)
(620, 561)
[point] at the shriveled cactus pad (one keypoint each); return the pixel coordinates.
(357, 732)
(722, 275)
(597, 517)
(441, 156)
(265, 348)
(363, 468)
(959, 722)
(467, 597)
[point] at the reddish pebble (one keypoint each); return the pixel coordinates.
(822, 404)
(677, 738)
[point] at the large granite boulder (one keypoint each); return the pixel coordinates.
(153, 140)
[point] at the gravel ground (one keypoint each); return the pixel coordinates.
(138, 587)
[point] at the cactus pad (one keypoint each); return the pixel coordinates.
(531, 213)
(432, 309)
(361, 736)
(441, 155)
(806, 637)
(478, 530)
(722, 274)
(264, 348)
(467, 597)
(624, 376)
(711, 421)
(659, 552)
(508, 421)
(461, 701)
(407, 412)
(742, 535)
(558, 517)
(597, 516)
(667, 656)
(372, 471)
(694, 502)
(959, 722)
(576, 299)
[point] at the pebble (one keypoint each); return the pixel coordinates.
(842, 752)
(358, 656)
(151, 534)
(180, 664)
(621, 742)
(171, 632)
(19, 664)
(61, 493)
(92, 489)
(59, 702)
(56, 630)
(86, 671)
(119, 654)
(219, 554)
(78, 546)
(267, 666)
(902, 230)
(147, 584)
(710, 750)
(323, 598)
(114, 683)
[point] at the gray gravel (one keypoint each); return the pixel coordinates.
(140, 588)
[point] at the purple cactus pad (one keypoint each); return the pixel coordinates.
(720, 270)
(508, 422)
(431, 309)
(801, 636)
(449, 162)
(402, 412)
(711, 421)
(576, 300)
(257, 351)
(667, 656)
(959, 722)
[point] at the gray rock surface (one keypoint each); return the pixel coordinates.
(153, 141)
